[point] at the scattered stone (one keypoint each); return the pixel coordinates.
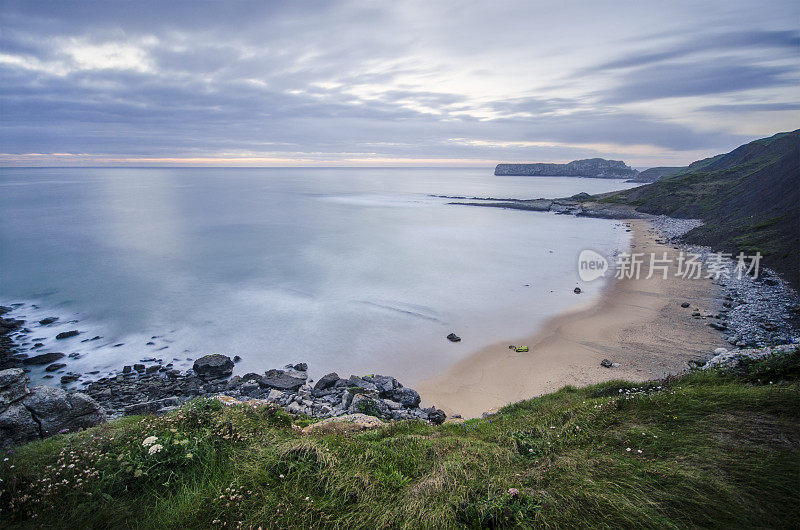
(685, 305)
(577, 290)
(69, 378)
(67, 334)
(47, 321)
(54, 367)
(453, 338)
(236, 358)
(605, 363)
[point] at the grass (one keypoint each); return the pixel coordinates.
(707, 449)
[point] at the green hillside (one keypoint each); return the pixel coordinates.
(749, 199)
(708, 449)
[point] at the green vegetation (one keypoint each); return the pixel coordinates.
(749, 199)
(708, 449)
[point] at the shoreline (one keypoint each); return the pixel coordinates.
(638, 324)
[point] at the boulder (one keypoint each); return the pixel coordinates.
(453, 338)
(325, 382)
(281, 380)
(407, 397)
(47, 321)
(67, 334)
(577, 290)
(605, 363)
(55, 366)
(436, 416)
(46, 411)
(43, 358)
(685, 305)
(361, 383)
(213, 366)
(13, 386)
(384, 383)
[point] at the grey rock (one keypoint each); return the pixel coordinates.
(361, 383)
(326, 381)
(43, 358)
(281, 380)
(54, 367)
(436, 416)
(47, 321)
(407, 397)
(67, 334)
(13, 386)
(606, 363)
(213, 366)
(453, 338)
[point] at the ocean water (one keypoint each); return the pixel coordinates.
(351, 270)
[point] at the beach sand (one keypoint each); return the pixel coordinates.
(637, 323)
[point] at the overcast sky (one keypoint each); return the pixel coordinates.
(392, 83)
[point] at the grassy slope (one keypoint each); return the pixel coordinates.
(749, 198)
(718, 450)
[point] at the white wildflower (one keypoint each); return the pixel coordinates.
(154, 449)
(150, 440)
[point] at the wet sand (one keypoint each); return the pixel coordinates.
(637, 323)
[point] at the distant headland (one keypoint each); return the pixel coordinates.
(591, 167)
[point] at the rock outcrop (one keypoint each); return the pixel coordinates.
(28, 414)
(591, 167)
(143, 392)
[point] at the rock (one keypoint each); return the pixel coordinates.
(606, 363)
(577, 290)
(55, 366)
(236, 358)
(347, 423)
(46, 411)
(127, 369)
(361, 383)
(47, 321)
(453, 338)
(718, 325)
(301, 367)
(67, 334)
(13, 386)
(295, 408)
(685, 305)
(275, 395)
(44, 358)
(385, 384)
(213, 366)
(393, 405)
(326, 382)
(407, 397)
(152, 369)
(281, 380)
(69, 378)
(436, 416)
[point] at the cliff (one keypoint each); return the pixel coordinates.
(592, 167)
(657, 173)
(749, 200)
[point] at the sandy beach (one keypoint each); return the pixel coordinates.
(638, 324)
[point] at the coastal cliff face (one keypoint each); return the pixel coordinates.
(592, 167)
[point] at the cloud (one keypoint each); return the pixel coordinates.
(354, 81)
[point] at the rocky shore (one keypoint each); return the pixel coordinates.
(140, 389)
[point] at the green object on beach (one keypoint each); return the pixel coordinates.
(520, 349)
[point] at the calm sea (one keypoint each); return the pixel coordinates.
(351, 270)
